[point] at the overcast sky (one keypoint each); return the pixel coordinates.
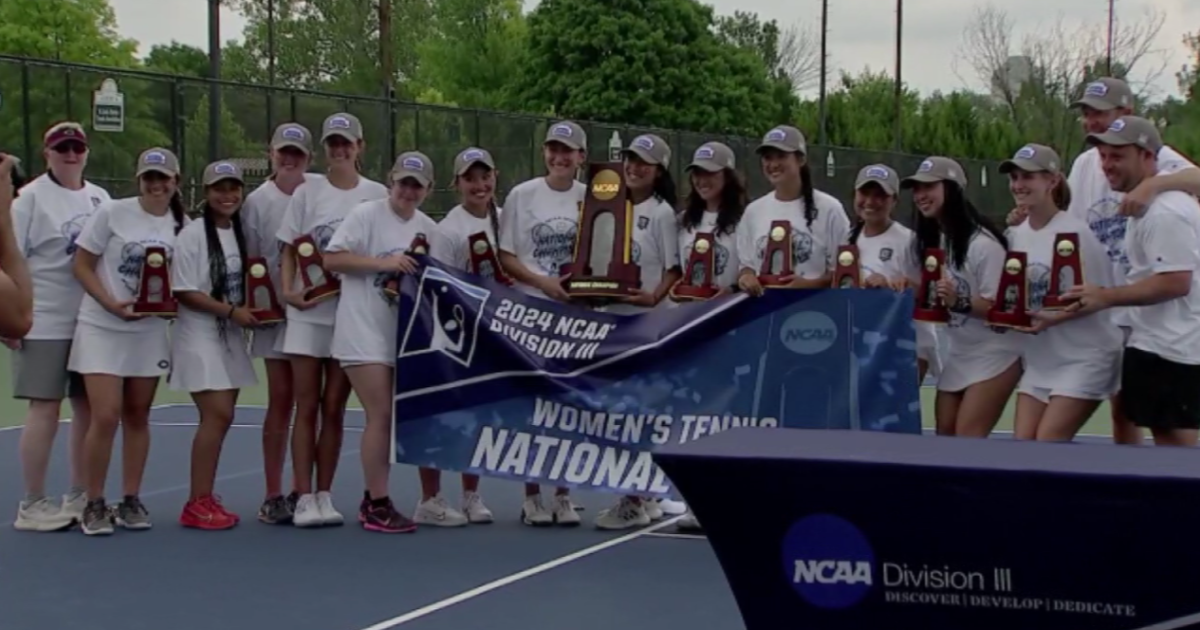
(861, 32)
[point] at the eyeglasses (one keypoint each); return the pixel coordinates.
(70, 147)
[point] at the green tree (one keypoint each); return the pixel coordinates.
(177, 59)
(1183, 116)
(637, 62)
(472, 51)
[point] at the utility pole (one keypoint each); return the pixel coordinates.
(214, 72)
(898, 141)
(270, 66)
(1112, 20)
(823, 135)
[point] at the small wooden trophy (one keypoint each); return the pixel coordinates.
(318, 284)
(1066, 270)
(847, 273)
(929, 307)
(418, 247)
(154, 293)
(260, 294)
(777, 256)
(483, 259)
(1011, 308)
(697, 282)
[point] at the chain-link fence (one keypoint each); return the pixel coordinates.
(174, 111)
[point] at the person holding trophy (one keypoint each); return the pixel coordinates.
(655, 251)
(982, 367)
(316, 210)
(122, 259)
(370, 247)
(790, 236)
(712, 210)
(208, 344)
(537, 242)
(885, 250)
(262, 216)
(465, 239)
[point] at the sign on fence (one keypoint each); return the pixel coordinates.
(108, 108)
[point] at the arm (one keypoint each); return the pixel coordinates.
(349, 263)
(1158, 288)
(16, 286)
(343, 256)
(1185, 180)
(1171, 241)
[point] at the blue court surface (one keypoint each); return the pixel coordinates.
(499, 576)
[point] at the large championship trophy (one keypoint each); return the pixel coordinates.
(154, 288)
(603, 267)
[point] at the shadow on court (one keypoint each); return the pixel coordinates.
(503, 575)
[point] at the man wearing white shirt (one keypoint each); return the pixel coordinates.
(1161, 366)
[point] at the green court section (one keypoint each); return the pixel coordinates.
(13, 410)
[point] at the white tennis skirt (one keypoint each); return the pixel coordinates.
(307, 340)
(267, 341)
(204, 363)
(963, 369)
(97, 350)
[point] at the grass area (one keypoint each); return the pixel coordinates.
(12, 411)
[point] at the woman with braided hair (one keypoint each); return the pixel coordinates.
(208, 346)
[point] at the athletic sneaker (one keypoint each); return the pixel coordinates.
(207, 513)
(565, 514)
(475, 510)
(437, 512)
(329, 514)
(534, 512)
(671, 507)
(308, 513)
(41, 515)
(275, 511)
(97, 519)
(627, 514)
(381, 516)
(652, 509)
(73, 503)
(132, 514)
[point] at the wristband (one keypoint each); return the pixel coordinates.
(232, 308)
(962, 305)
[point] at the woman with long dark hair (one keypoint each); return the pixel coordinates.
(48, 215)
(1073, 363)
(819, 224)
(122, 354)
(320, 385)
(983, 366)
(208, 343)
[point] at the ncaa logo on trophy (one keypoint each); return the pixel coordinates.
(446, 318)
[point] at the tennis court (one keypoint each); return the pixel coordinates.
(501, 575)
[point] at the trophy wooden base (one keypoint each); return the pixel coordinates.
(691, 292)
(600, 287)
(932, 315)
(167, 308)
(1009, 320)
(322, 293)
(775, 281)
(269, 316)
(391, 288)
(1055, 303)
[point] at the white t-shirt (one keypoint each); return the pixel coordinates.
(539, 226)
(1167, 239)
(1094, 201)
(980, 277)
(1093, 338)
(813, 248)
(263, 213)
(655, 249)
(317, 209)
(190, 272)
(119, 232)
(48, 218)
(725, 254)
(450, 242)
(366, 316)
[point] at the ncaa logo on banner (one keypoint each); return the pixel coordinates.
(445, 319)
(828, 561)
(808, 332)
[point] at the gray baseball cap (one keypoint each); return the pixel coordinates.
(1106, 94)
(413, 164)
(567, 133)
(158, 160)
(937, 169)
(292, 135)
(1128, 130)
(651, 149)
(713, 157)
(1033, 158)
(345, 125)
(881, 175)
(784, 138)
(222, 170)
(470, 157)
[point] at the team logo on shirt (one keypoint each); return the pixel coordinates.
(553, 244)
(962, 289)
(885, 254)
(322, 234)
(1039, 284)
(133, 256)
(643, 222)
(233, 278)
(95, 202)
(70, 230)
(1109, 227)
(449, 312)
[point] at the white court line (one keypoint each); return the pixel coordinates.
(677, 536)
(518, 576)
(68, 420)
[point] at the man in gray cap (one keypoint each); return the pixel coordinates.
(1161, 364)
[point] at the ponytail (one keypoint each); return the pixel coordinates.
(494, 216)
(178, 211)
(855, 231)
(1061, 194)
(218, 272)
(806, 193)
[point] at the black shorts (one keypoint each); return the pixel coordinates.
(1159, 394)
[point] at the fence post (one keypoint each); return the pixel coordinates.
(25, 122)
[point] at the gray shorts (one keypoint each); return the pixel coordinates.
(39, 371)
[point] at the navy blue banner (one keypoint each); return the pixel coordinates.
(492, 381)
